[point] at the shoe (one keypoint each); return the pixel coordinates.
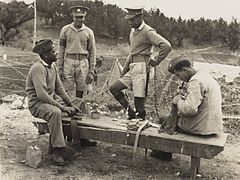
(141, 115)
(131, 113)
(161, 155)
(88, 143)
(57, 158)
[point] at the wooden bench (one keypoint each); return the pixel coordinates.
(110, 130)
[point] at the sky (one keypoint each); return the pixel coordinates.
(187, 9)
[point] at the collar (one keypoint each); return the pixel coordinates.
(45, 64)
(140, 27)
(82, 28)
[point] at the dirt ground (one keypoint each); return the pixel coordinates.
(106, 161)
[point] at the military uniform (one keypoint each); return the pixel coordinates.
(77, 54)
(134, 76)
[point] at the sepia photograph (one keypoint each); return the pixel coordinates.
(119, 89)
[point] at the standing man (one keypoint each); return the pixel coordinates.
(77, 54)
(41, 84)
(134, 75)
(198, 108)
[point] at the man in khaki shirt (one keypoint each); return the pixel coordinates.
(198, 106)
(134, 75)
(77, 54)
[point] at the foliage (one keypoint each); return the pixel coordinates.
(108, 20)
(233, 38)
(48, 9)
(13, 15)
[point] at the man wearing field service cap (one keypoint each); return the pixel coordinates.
(77, 57)
(77, 54)
(198, 106)
(41, 84)
(135, 75)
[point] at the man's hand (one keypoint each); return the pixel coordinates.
(61, 75)
(89, 78)
(176, 99)
(69, 110)
(76, 108)
(152, 62)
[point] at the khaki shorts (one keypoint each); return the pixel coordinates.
(135, 78)
(75, 72)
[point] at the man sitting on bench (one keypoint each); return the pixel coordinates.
(196, 109)
(41, 84)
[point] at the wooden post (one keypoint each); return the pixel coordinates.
(50, 148)
(35, 23)
(195, 166)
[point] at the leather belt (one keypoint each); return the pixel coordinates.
(78, 57)
(140, 58)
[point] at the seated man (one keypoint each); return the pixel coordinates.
(198, 107)
(41, 84)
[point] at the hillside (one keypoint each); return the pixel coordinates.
(109, 161)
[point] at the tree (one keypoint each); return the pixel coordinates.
(178, 31)
(12, 15)
(221, 30)
(201, 31)
(234, 35)
(49, 9)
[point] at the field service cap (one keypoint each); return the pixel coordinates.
(133, 11)
(78, 10)
(42, 46)
(174, 62)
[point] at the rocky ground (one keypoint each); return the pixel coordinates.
(106, 161)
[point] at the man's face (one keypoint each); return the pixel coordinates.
(182, 75)
(51, 55)
(78, 20)
(135, 22)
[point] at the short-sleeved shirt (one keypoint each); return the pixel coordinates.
(79, 41)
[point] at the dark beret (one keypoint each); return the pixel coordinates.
(174, 62)
(42, 46)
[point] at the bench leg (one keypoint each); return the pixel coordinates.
(195, 166)
(50, 148)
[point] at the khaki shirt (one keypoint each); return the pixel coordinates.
(201, 110)
(77, 41)
(142, 40)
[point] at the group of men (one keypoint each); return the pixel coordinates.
(198, 108)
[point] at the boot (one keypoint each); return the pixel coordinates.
(125, 104)
(139, 103)
(57, 157)
(141, 115)
(131, 113)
